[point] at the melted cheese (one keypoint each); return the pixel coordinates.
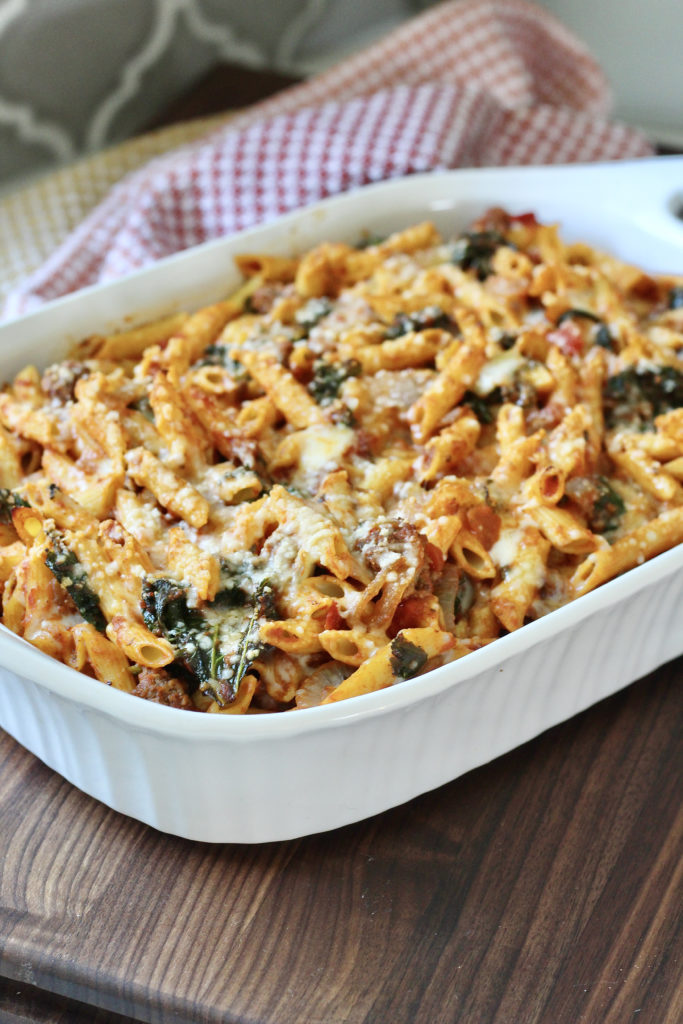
(499, 372)
(322, 450)
(505, 550)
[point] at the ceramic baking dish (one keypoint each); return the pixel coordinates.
(269, 777)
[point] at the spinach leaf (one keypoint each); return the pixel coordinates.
(600, 503)
(586, 314)
(70, 574)
(635, 396)
(608, 508)
(475, 250)
(602, 335)
(234, 586)
(203, 639)
(144, 407)
(520, 391)
(165, 609)
(344, 417)
(10, 500)
(313, 312)
(165, 612)
(231, 596)
(249, 645)
(430, 316)
(329, 377)
(406, 659)
(229, 669)
(219, 355)
(481, 406)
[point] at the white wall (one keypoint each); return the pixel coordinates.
(639, 44)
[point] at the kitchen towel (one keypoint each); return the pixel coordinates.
(469, 83)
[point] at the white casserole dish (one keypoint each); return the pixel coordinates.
(269, 777)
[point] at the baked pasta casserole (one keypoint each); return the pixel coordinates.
(369, 461)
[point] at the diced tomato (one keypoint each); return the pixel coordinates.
(411, 612)
(435, 556)
(527, 219)
(484, 523)
(568, 338)
(333, 620)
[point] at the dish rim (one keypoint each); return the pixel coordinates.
(669, 215)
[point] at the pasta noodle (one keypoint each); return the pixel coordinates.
(367, 462)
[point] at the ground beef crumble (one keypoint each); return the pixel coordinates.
(157, 685)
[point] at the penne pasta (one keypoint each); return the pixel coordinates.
(365, 462)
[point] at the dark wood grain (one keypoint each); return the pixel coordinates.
(24, 1004)
(542, 887)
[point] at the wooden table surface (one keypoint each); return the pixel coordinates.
(544, 887)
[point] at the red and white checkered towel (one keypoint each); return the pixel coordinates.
(469, 83)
